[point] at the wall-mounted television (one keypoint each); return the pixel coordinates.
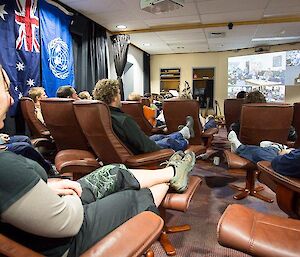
(268, 73)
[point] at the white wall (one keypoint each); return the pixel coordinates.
(218, 60)
(135, 56)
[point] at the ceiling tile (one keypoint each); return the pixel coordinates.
(110, 13)
(278, 30)
(232, 16)
(223, 6)
(172, 20)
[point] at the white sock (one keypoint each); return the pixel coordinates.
(234, 141)
(185, 132)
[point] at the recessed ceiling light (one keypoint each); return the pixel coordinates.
(146, 44)
(121, 26)
(274, 38)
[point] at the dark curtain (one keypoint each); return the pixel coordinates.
(120, 45)
(89, 48)
(146, 64)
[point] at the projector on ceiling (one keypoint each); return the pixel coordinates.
(160, 6)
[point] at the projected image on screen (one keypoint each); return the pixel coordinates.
(268, 73)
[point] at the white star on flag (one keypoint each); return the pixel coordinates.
(30, 82)
(16, 88)
(20, 95)
(2, 11)
(20, 66)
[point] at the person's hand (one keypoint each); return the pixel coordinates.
(65, 187)
(4, 138)
(285, 151)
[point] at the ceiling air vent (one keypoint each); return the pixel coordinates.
(217, 34)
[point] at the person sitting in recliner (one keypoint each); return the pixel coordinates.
(79, 213)
(284, 160)
(108, 91)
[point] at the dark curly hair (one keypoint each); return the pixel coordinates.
(106, 90)
(255, 97)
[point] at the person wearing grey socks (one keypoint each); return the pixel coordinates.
(128, 131)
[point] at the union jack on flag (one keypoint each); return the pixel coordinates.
(20, 51)
(28, 22)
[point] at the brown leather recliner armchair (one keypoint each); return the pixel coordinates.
(287, 189)
(75, 155)
(123, 241)
(232, 111)
(40, 134)
(37, 128)
(95, 121)
(175, 113)
(135, 110)
(61, 121)
(258, 234)
(296, 123)
(259, 122)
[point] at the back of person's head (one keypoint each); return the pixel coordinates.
(106, 90)
(148, 95)
(134, 96)
(241, 94)
(255, 97)
(84, 95)
(36, 92)
(66, 92)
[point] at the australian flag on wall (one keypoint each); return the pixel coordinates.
(20, 46)
(57, 54)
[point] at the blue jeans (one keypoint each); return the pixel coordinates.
(256, 153)
(174, 141)
(22, 145)
(210, 124)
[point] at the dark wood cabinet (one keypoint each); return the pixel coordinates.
(203, 86)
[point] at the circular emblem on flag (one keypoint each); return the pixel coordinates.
(58, 52)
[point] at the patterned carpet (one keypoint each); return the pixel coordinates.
(207, 206)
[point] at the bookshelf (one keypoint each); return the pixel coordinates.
(169, 79)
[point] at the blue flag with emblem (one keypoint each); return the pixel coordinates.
(57, 54)
(20, 47)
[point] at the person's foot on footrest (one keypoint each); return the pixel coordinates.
(182, 168)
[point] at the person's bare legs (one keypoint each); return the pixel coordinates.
(149, 178)
(176, 172)
(158, 192)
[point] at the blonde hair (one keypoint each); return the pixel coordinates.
(106, 90)
(35, 92)
(134, 96)
(84, 95)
